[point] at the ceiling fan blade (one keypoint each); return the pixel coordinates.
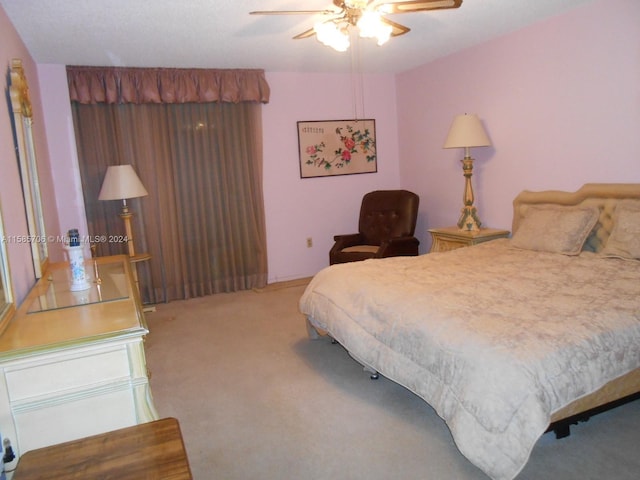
(416, 6)
(397, 28)
(293, 12)
(305, 34)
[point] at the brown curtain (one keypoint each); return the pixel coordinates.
(165, 85)
(203, 220)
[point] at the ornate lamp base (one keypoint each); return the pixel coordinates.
(469, 220)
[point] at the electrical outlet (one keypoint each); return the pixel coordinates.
(309, 242)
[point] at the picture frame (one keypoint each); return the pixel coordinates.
(337, 147)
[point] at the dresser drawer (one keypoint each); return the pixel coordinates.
(55, 374)
(73, 419)
(444, 245)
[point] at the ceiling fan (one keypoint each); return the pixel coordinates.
(365, 15)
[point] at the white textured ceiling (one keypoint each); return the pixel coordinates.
(222, 34)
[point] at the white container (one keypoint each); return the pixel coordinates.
(78, 275)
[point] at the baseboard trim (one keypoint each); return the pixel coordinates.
(280, 285)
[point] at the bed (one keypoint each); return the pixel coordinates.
(506, 338)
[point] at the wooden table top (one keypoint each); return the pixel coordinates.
(153, 450)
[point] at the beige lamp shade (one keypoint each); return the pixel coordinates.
(121, 182)
(467, 131)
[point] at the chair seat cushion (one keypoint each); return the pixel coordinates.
(362, 248)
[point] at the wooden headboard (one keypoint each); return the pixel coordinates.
(604, 195)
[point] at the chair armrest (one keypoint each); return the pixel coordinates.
(344, 241)
(399, 246)
(348, 240)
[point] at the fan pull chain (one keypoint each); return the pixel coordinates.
(353, 80)
(357, 79)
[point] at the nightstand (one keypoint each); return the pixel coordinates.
(450, 238)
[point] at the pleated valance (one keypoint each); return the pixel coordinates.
(166, 85)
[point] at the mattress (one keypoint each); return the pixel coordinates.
(495, 338)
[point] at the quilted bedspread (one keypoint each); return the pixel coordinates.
(494, 338)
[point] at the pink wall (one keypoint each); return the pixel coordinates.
(11, 198)
(560, 100)
(318, 207)
(295, 208)
(61, 143)
(561, 103)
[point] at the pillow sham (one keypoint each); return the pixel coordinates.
(624, 241)
(554, 228)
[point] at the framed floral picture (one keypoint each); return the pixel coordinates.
(337, 147)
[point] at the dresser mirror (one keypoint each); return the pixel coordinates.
(7, 307)
(23, 125)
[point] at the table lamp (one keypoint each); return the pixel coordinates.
(467, 131)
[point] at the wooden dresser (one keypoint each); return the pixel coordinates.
(72, 364)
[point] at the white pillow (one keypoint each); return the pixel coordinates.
(554, 228)
(624, 241)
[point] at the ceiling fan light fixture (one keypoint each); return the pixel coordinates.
(371, 25)
(367, 16)
(356, 4)
(384, 35)
(330, 35)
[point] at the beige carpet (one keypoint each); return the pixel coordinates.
(257, 400)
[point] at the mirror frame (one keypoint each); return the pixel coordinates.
(7, 305)
(23, 124)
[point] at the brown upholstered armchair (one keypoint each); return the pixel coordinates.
(386, 227)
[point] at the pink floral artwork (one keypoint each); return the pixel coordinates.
(337, 147)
